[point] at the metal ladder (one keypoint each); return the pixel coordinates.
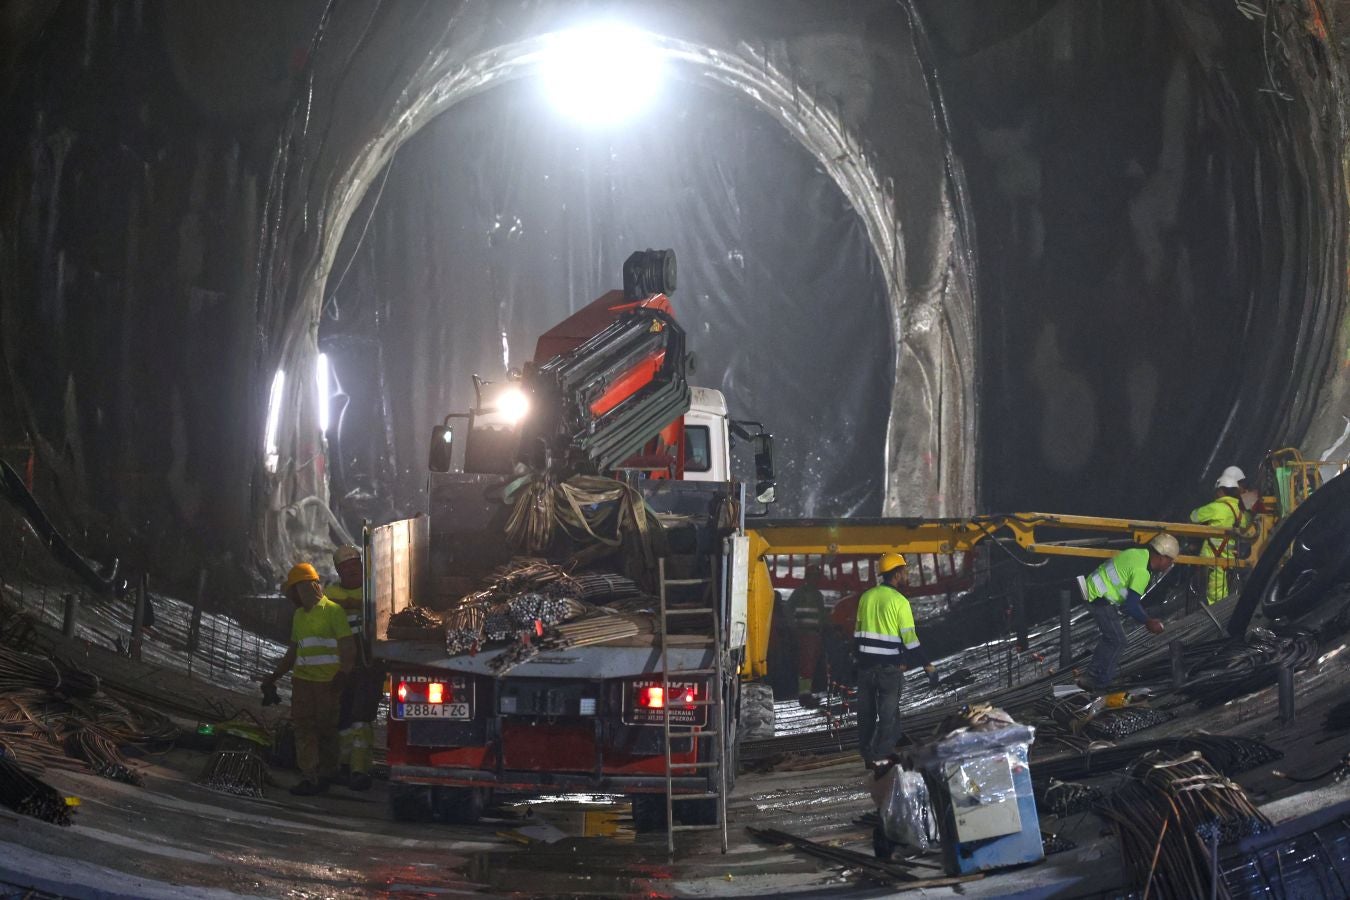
(714, 702)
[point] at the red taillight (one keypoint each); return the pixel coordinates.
(435, 692)
(653, 697)
(403, 692)
(689, 698)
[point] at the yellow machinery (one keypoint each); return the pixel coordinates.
(1047, 534)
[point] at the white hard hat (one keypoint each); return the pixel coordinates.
(345, 553)
(1230, 477)
(1165, 545)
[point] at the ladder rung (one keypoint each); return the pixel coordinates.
(710, 795)
(683, 581)
(710, 764)
(688, 703)
(695, 827)
(689, 611)
(673, 673)
(705, 732)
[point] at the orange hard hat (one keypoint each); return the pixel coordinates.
(299, 572)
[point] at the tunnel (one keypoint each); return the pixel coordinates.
(1025, 296)
(961, 259)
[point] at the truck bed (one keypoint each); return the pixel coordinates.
(619, 658)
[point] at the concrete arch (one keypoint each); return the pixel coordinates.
(930, 458)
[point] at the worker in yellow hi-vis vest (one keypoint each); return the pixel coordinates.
(885, 644)
(322, 656)
(361, 695)
(1224, 511)
(1118, 585)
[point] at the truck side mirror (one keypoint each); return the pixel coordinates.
(764, 480)
(442, 441)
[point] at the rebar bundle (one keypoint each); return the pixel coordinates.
(597, 628)
(1230, 755)
(1113, 724)
(530, 597)
(1067, 798)
(93, 745)
(238, 772)
(1172, 814)
(24, 670)
(415, 617)
(42, 726)
(30, 796)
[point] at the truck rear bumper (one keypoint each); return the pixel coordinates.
(537, 782)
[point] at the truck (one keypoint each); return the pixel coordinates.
(604, 403)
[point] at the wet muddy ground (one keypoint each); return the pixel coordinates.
(175, 838)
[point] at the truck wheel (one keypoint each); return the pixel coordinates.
(460, 806)
(757, 715)
(649, 813)
(410, 802)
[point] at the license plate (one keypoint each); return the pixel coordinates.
(433, 711)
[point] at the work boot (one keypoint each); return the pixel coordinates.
(359, 781)
(309, 788)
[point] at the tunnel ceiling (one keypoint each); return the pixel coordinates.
(500, 219)
(1106, 241)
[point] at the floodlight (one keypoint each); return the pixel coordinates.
(601, 74)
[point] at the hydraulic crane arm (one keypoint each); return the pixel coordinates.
(1072, 535)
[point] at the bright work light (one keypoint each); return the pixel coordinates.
(601, 74)
(271, 453)
(513, 404)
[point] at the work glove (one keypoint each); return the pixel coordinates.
(270, 697)
(1154, 626)
(933, 679)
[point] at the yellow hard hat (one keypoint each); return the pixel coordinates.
(299, 572)
(890, 562)
(344, 553)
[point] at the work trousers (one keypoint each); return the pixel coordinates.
(314, 716)
(808, 656)
(879, 710)
(1109, 646)
(356, 720)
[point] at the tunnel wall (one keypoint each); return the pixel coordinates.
(178, 179)
(1160, 205)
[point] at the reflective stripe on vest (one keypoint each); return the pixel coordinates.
(885, 623)
(1113, 579)
(316, 634)
(1106, 582)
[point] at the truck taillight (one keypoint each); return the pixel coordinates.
(653, 696)
(436, 692)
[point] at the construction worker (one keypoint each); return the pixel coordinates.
(808, 614)
(1224, 511)
(1119, 584)
(361, 694)
(1248, 494)
(322, 656)
(885, 644)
